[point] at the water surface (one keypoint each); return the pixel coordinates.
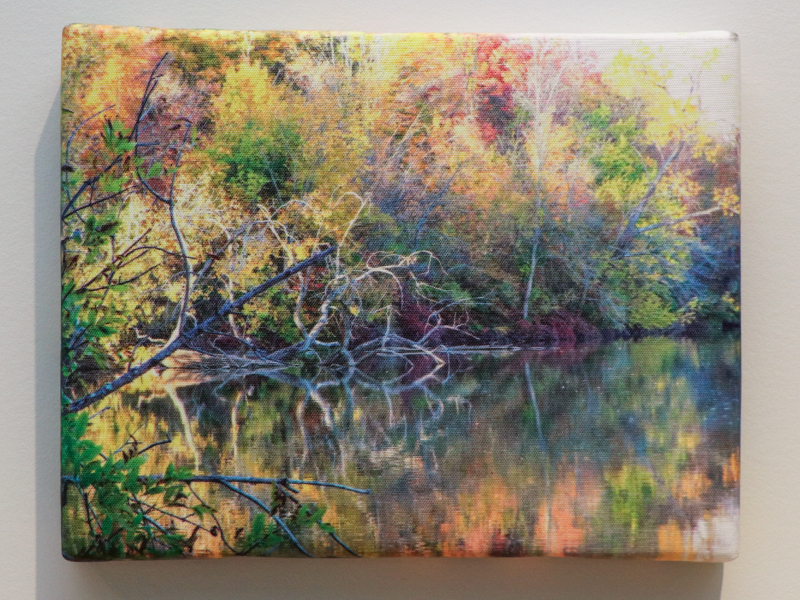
(627, 448)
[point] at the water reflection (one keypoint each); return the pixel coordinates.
(629, 448)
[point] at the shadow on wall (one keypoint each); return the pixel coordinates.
(243, 578)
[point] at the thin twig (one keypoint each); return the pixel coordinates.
(266, 509)
(213, 516)
(339, 541)
(154, 444)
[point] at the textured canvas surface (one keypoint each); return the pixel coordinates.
(350, 294)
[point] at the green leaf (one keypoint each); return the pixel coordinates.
(125, 146)
(172, 492)
(201, 510)
(326, 527)
(90, 453)
(135, 463)
(155, 170)
(106, 526)
(309, 516)
(81, 422)
(256, 529)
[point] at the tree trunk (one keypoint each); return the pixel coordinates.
(537, 236)
(529, 287)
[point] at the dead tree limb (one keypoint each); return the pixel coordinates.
(185, 337)
(260, 481)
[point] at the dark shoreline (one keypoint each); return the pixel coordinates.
(544, 334)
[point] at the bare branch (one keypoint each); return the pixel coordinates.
(689, 217)
(283, 481)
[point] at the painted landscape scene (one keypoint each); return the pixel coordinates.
(347, 294)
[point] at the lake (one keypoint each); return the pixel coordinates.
(624, 448)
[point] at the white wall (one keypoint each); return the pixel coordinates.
(30, 562)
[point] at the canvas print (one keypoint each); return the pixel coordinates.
(347, 294)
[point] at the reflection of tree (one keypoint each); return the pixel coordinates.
(551, 453)
(188, 436)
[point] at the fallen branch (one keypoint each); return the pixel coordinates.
(187, 336)
(284, 481)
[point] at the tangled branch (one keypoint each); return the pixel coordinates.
(184, 338)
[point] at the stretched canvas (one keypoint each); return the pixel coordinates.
(337, 294)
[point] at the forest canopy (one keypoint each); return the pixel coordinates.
(477, 190)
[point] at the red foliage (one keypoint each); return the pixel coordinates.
(414, 321)
(495, 89)
(362, 333)
(505, 545)
(561, 329)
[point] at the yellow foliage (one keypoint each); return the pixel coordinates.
(671, 544)
(731, 470)
(693, 485)
(249, 94)
(646, 75)
(728, 199)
